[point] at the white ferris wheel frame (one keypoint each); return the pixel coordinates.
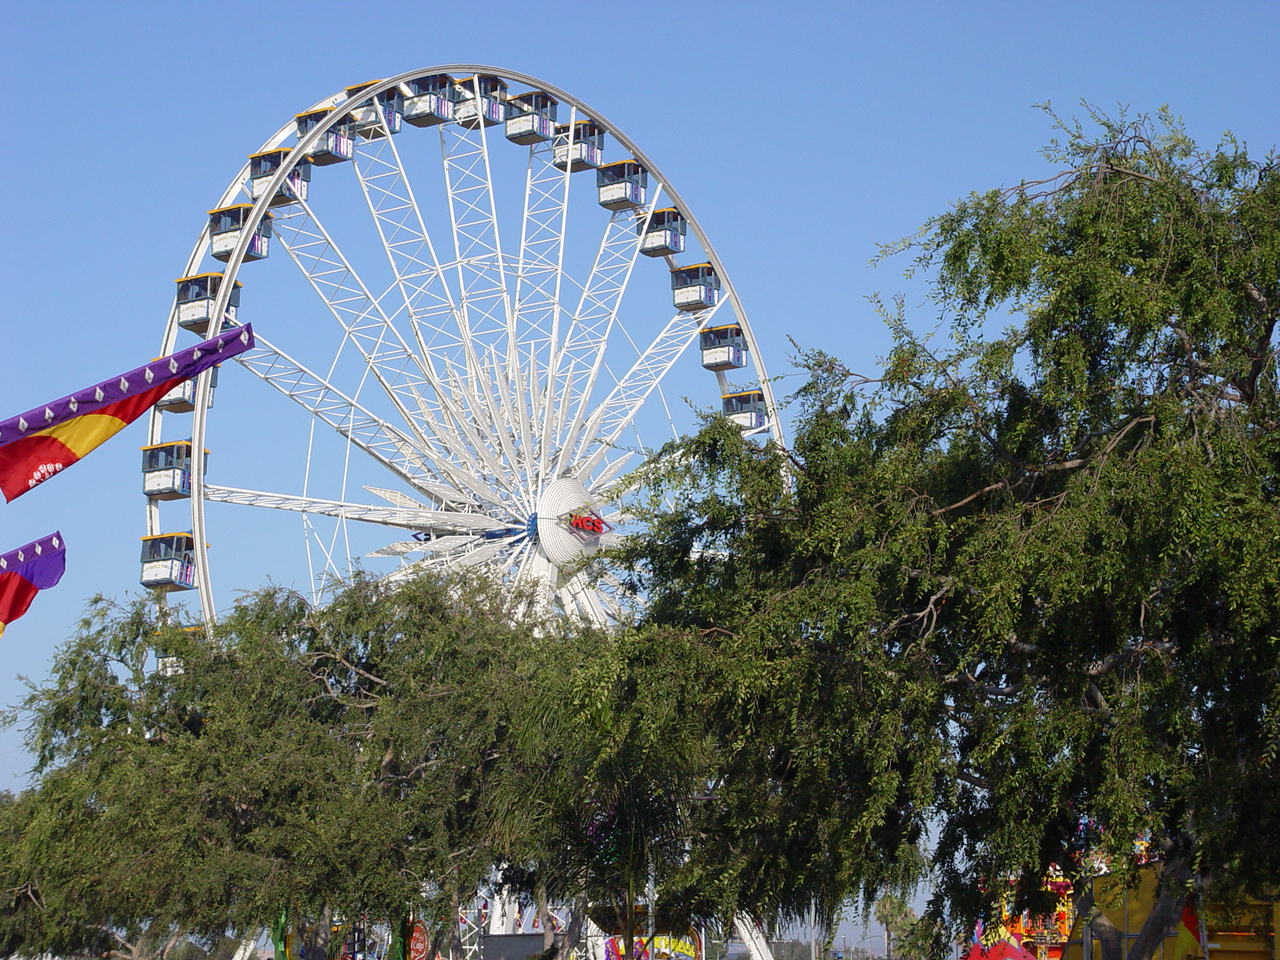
(369, 325)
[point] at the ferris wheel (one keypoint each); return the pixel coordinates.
(468, 290)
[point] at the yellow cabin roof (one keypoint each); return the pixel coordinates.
(693, 266)
(159, 536)
(169, 443)
(723, 326)
(268, 153)
(675, 210)
(742, 393)
(619, 163)
(357, 87)
(238, 206)
(197, 276)
(230, 206)
(312, 113)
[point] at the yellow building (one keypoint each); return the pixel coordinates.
(1249, 932)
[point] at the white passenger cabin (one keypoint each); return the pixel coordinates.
(745, 408)
(481, 101)
(182, 398)
(196, 297)
(166, 470)
(695, 287)
(226, 224)
(723, 347)
(622, 185)
(579, 146)
(168, 562)
(335, 145)
(531, 117)
(263, 166)
(662, 233)
(376, 116)
(167, 666)
(431, 100)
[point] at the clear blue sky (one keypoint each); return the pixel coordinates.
(801, 133)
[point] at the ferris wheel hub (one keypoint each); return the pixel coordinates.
(568, 523)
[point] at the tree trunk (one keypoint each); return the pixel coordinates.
(629, 924)
(544, 918)
(320, 940)
(567, 940)
(1165, 912)
(1159, 923)
(1109, 936)
(455, 942)
(398, 949)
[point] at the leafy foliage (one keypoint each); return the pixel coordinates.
(315, 760)
(1022, 588)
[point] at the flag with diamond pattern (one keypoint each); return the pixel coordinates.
(49, 438)
(26, 571)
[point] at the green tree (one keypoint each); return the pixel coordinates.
(1021, 585)
(603, 791)
(322, 761)
(169, 807)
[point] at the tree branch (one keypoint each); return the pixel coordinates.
(973, 496)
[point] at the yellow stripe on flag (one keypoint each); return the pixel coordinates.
(83, 434)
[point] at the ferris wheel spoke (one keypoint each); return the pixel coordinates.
(487, 321)
(578, 360)
(414, 262)
(513, 425)
(415, 390)
(595, 435)
(468, 556)
(525, 562)
(353, 306)
(577, 594)
(331, 566)
(442, 544)
(540, 268)
(478, 256)
(604, 485)
(515, 559)
(394, 207)
(437, 491)
(435, 522)
(385, 443)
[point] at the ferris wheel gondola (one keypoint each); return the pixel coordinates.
(480, 321)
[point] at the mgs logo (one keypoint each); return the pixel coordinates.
(43, 472)
(585, 523)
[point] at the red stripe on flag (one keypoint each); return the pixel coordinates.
(16, 594)
(33, 459)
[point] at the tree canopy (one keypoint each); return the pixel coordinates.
(322, 761)
(1018, 589)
